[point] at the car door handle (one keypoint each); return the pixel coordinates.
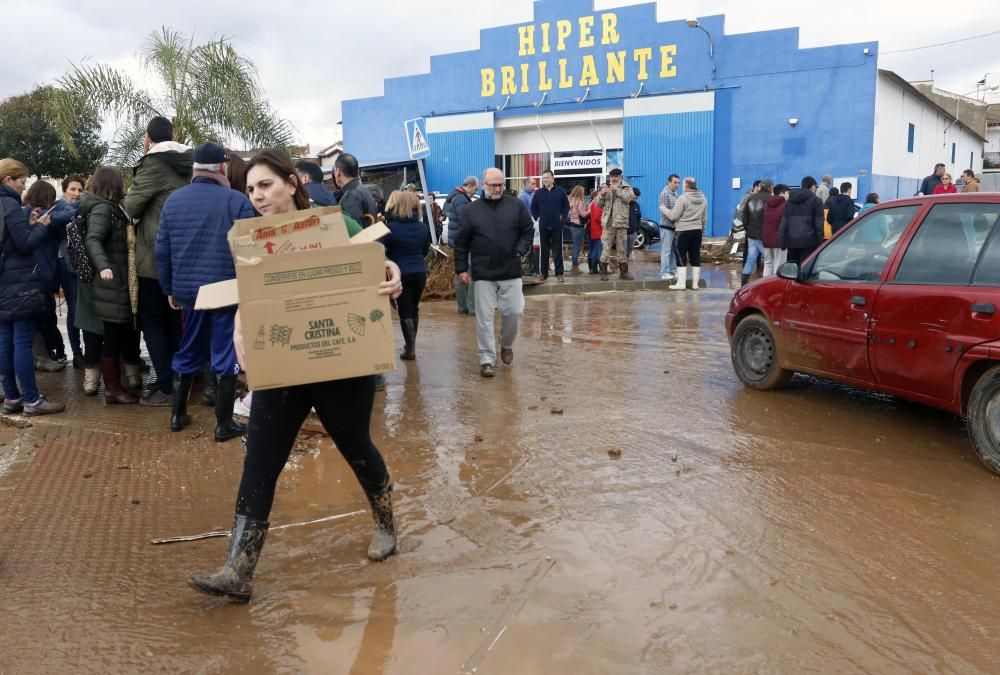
(859, 300)
(984, 308)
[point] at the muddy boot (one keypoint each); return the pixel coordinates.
(225, 428)
(179, 419)
(234, 580)
(114, 392)
(209, 387)
(133, 376)
(744, 280)
(383, 542)
(91, 380)
(43, 361)
(409, 339)
(681, 283)
(623, 273)
(604, 271)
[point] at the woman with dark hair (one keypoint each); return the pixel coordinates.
(870, 201)
(408, 246)
(49, 349)
(107, 246)
(64, 212)
(237, 171)
(343, 406)
(22, 295)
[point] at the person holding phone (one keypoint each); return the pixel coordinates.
(50, 351)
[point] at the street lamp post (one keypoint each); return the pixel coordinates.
(694, 23)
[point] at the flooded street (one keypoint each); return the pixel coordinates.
(614, 502)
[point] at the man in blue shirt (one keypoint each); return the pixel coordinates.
(550, 205)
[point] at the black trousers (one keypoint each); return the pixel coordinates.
(687, 244)
(48, 326)
(797, 255)
(552, 242)
(120, 342)
(161, 328)
(408, 304)
(276, 415)
(93, 346)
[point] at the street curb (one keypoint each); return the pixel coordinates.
(555, 288)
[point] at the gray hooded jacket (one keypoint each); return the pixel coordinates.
(690, 212)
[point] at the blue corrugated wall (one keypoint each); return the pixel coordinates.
(457, 154)
(659, 145)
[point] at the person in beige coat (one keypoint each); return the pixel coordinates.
(689, 215)
(970, 180)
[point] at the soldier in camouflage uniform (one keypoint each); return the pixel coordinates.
(614, 199)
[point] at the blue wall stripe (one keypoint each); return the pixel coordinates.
(457, 154)
(659, 145)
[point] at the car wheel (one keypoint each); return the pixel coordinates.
(755, 355)
(640, 241)
(984, 418)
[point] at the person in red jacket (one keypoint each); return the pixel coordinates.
(596, 247)
(774, 208)
(946, 186)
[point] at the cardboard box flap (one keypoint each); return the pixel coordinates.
(288, 232)
(306, 272)
(218, 295)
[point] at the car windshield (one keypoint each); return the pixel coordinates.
(860, 253)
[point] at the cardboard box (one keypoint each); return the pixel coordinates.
(308, 297)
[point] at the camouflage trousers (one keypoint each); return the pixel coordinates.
(617, 237)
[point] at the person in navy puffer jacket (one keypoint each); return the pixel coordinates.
(22, 296)
(408, 246)
(192, 251)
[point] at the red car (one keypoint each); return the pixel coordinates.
(903, 300)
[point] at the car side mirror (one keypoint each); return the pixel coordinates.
(789, 270)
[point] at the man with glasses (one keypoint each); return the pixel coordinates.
(496, 232)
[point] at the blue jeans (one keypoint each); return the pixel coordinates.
(596, 248)
(755, 251)
(577, 233)
(17, 361)
(668, 261)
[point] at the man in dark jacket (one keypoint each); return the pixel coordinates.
(192, 251)
(550, 206)
(311, 176)
(932, 181)
(841, 208)
(753, 220)
(165, 167)
(355, 200)
(455, 204)
(801, 230)
(496, 233)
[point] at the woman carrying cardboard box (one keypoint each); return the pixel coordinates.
(276, 415)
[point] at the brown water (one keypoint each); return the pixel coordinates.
(815, 529)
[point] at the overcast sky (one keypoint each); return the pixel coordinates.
(312, 54)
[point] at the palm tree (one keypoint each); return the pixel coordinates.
(209, 91)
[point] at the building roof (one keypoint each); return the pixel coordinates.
(330, 150)
(888, 74)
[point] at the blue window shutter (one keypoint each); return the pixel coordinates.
(952, 153)
(910, 133)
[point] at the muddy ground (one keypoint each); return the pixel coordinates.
(816, 529)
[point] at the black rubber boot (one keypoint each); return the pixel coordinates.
(179, 419)
(604, 271)
(225, 396)
(409, 327)
(209, 387)
(234, 580)
(623, 272)
(744, 280)
(383, 542)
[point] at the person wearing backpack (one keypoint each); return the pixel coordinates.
(63, 214)
(22, 295)
(107, 246)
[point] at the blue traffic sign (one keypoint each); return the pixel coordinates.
(416, 138)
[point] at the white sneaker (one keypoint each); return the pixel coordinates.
(242, 408)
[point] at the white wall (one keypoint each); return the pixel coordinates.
(993, 139)
(560, 132)
(895, 109)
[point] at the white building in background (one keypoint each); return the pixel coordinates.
(912, 134)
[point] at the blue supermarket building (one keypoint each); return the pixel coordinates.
(581, 91)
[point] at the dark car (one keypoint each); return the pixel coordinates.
(903, 300)
(648, 234)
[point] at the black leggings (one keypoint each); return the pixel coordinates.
(408, 304)
(120, 342)
(93, 345)
(276, 415)
(688, 248)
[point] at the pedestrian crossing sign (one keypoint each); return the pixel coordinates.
(416, 138)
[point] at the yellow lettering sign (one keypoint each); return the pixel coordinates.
(565, 81)
(544, 82)
(588, 78)
(563, 31)
(586, 35)
(489, 81)
(667, 67)
(610, 32)
(642, 57)
(545, 38)
(525, 67)
(616, 67)
(526, 36)
(508, 85)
